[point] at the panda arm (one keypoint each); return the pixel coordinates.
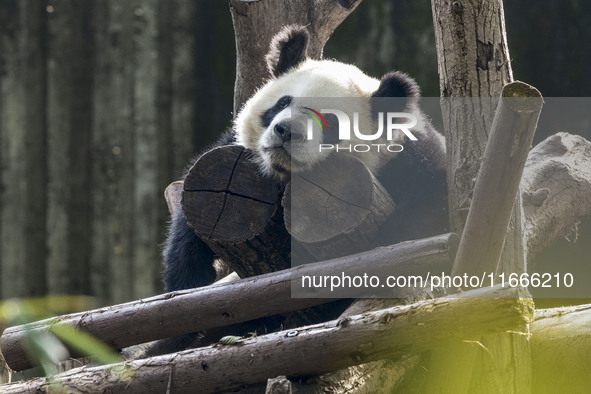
(416, 180)
(188, 261)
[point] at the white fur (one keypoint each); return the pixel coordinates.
(312, 79)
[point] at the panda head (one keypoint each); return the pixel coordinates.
(272, 124)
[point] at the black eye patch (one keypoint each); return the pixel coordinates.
(279, 106)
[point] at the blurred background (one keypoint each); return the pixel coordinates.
(103, 103)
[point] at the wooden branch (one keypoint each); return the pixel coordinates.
(173, 194)
(498, 180)
(556, 187)
(350, 215)
(237, 211)
(389, 333)
(256, 22)
(220, 305)
(561, 350)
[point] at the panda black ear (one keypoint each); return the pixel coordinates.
(288, 48)
(396, 84)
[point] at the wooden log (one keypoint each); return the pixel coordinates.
(332, 215)
(389, 333)
(4, 371)
(220, 305)
(510, 139)
(561, 350)
(237, 212)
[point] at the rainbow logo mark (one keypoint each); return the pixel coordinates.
(316, 115)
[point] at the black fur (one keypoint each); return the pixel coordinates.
(279, 106)
(288, 48)
(416, 180)
(188, 262)
(399, 85)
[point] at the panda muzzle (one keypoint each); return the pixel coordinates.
(284, 131)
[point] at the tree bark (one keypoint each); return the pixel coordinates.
(383, 376)
(389, 333)
(473, 61)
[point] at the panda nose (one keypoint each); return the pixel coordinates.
(283, 130)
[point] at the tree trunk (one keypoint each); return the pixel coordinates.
(23, 157)
(474, 62)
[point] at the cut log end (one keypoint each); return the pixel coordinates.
(226, 198)
(333, 215)
(521, 97)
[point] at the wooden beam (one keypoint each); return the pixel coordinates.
(350, 214)
(497, 184)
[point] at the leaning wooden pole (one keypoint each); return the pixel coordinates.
(497, 184)
(389, 333)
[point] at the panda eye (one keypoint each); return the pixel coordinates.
(284, 101)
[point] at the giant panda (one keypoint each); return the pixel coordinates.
(415, 177)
